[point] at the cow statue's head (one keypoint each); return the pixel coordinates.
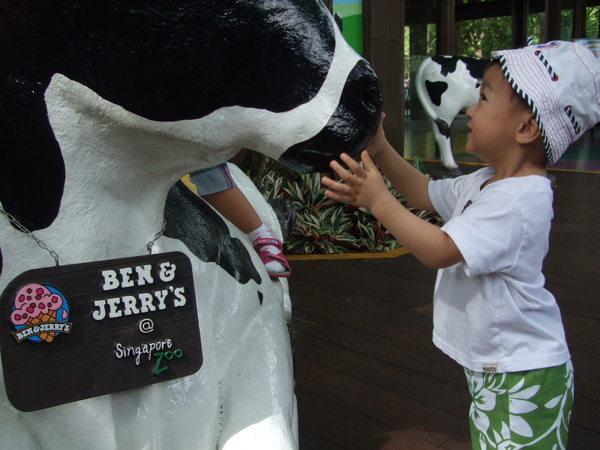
(273, 76)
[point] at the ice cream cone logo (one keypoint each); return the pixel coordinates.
(39, 313)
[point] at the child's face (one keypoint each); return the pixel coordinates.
(494, 118)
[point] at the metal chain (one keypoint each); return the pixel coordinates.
(156, 237)
(18, 225)
(54, 255)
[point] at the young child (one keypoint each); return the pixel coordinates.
(491, 311)
(217, 187)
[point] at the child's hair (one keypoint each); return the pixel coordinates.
(560, 81)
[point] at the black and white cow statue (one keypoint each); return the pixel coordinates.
(104, 106)
(447, 85)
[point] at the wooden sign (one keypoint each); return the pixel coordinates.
(73, 332)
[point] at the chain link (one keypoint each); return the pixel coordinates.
(54, 255)
(39, 242)
(156, 237)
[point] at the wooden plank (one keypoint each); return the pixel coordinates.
(374, 316)
(582, 332)
(430, 362)
(309, 440)
(576, 300)
(411, 424)
(586, 378)
(372, 278)
(582, 267)
(574, 242)
(379, 315)
(582, 439)
(432, 391)
(350, 430)
(586, 413)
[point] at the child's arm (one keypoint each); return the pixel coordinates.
(366, 188)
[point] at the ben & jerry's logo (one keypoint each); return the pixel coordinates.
(39, 313)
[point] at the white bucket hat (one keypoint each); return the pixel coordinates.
(561, 82)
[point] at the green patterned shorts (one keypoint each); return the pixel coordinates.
(518, 410)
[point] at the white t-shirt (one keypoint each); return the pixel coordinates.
(491, 312)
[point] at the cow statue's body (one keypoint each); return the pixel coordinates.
(447, 85)
(104, 105)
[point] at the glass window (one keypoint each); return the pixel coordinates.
(592, 22)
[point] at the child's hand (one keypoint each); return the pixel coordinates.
(378, 141)
(362, 188)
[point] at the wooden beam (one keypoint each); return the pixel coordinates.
(384, 49)
(520, 12)
(579, 18)
(482, 10)
(366, 29)
(446, 34)
(553, 20)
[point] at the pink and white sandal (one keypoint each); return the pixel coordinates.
(267, 257)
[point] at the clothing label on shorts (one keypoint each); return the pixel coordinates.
(490, 368)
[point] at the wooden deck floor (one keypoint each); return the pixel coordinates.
(369, 377)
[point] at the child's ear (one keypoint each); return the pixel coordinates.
(529, 130)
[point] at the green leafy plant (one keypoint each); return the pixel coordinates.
(324, 225)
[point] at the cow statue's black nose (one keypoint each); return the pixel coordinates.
(350, 128)
(369, 86)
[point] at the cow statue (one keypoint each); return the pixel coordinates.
(104, 106)
(447, 85)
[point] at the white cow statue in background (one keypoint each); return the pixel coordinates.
(447, 85)
(104, 106)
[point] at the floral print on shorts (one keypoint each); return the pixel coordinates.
(521, 410)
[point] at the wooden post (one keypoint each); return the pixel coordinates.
(446, 41)
(579, 18)
(384, 49)
(552, 31)
(520, 12)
